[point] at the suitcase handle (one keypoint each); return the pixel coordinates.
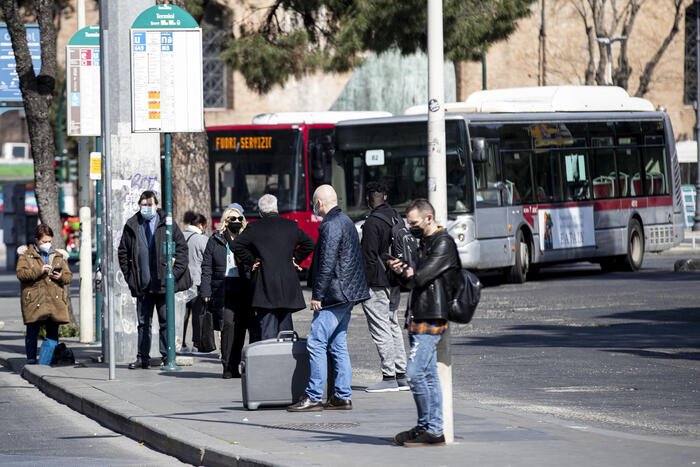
(286, 335)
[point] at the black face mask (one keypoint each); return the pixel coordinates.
(234, 227)
(417, 232)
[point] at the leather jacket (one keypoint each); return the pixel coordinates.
(435, 277)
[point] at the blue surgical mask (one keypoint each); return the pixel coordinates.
(147, 212)
(315, 210)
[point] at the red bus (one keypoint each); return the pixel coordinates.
(284, 154)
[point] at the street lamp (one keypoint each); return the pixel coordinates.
(696, 220)
(608, 46)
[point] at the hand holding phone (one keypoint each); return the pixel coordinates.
(57, 269)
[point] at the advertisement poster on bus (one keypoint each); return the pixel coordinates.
(566, 227)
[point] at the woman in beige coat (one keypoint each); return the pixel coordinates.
(43, 274)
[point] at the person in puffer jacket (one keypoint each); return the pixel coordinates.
(43, 274)
(338, 283)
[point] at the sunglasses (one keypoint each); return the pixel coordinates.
(239, 219)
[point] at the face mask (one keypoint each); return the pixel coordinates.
(147, 212)
(45, 247)
(315, 211)
(234, 227)
(417, 232)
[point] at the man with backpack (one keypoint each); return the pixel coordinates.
(432, 280)
(378, 234)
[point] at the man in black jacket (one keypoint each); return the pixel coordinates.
(272, 247)
(338, 283)
(381, 309)
(142, 260)
(431, 285)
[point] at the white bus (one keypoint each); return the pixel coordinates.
(535, 176)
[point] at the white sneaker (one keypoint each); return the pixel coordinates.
(385, 385)
(403, 384)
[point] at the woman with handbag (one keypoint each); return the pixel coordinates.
(225, 288)
(43, 274)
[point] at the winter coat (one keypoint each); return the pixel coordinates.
(376, 239)
(43, 298)
(435, 277)
(337, 272)
(196, 244)
(128, 254)
(214, 273)
(276, 241)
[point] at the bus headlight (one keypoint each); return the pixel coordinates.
(463, 231)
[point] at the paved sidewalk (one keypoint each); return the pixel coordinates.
(198, 417)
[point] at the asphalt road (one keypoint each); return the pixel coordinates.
(38, 431)
(607, 350)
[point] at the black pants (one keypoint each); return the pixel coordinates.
(144, 311)
(268, 323)
(193, 308)
(235, 321)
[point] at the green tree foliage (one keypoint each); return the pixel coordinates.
(296, 37)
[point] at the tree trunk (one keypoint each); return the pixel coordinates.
(191, 189)
(190, 152)
(37, 94)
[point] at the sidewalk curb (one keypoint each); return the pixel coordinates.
(163, 435)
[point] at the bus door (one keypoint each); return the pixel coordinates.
(493, 199)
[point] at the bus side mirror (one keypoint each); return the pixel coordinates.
(479, 150)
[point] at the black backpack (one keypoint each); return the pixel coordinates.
(403, 246)
(465, 298)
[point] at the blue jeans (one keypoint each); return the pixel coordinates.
(144, 313)
(329, 329)
(422, 375)
(33, 333)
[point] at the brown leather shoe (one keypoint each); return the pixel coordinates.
(336, 403)
(305, 405)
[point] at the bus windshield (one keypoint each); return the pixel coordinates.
(396, 154)
(246, 164)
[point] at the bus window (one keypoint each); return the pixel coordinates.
(487, 178)
(320, 151)
(515, 137)
(604, 174)
(517, 175)
(655, 170)
(576, 182)
(547, 170)
(629, 171)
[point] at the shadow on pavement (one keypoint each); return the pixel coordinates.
(647, 338)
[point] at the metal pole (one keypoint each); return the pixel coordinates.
(98, 255)
(169, 250)
(81, 14)
(696, 219)
(437, 184)
(107, 185)
(483, 69)
(87, 317)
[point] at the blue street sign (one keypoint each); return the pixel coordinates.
(9, 81)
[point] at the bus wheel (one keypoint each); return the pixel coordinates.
(518, 272)
(632, 261)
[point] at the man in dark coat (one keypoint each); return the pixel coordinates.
(338, 279)
(383, 305)
(142, 260)
(273, 247)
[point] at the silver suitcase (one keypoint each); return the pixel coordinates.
(274, 372)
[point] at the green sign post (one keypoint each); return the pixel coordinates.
(166, 96)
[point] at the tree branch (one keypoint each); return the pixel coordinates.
(645, 78)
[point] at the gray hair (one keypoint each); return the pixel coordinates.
(267, 204)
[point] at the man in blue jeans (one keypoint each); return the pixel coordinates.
(338, 282)
(431, 283)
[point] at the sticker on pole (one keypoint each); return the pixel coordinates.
(95, 166)
(433, 105)
(166, 72)
(83, 83)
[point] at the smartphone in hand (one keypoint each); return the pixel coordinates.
(57, 269)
